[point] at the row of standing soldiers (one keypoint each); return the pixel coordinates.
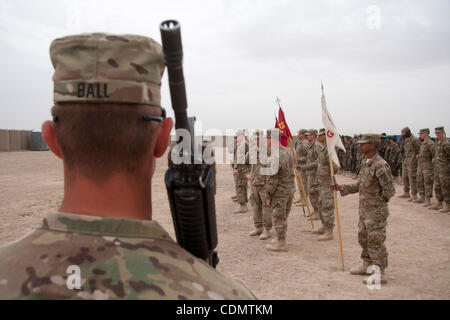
(419, 163)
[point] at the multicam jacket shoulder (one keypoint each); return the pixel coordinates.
(301, 151)
(312, 156)
(426, 154)
(257, 178)
(411, 148)
(115, 259)
(442, 153)
(282, 182)
(375, 184)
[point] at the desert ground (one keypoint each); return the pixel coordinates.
(418, 239)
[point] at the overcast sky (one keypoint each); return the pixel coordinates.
(384, 64)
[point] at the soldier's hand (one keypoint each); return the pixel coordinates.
(268, 202)
(235, 172)
(336, 187)
(249, 177)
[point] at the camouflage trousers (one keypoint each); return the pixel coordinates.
(326, 205)
(241, 190)
(409, 177)
(442, 184)
(425, 177)
(313, 194)
(371, 237)
(281, 206)
(262, 214)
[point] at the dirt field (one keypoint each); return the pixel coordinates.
(418, 240)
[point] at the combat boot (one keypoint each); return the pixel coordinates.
(427, 202)
(265, 234)
(256, 232)
(328, 235)
(233, 197)
(361, 270)
(446, 208)
(437, 206)
(383, 278)
(420, 200)
(321, 230)
(413, 198)
(278, 245)
(242, 209)
(405, 195)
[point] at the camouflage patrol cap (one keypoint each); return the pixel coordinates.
(321, 131)
(426, 130)
(302, 131)
(107, 68)
(370, 138)
(405, 130)
(312, 132)
(439, 129)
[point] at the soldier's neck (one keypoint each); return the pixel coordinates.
(119, 197)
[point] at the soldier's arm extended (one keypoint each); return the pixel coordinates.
(349, 189)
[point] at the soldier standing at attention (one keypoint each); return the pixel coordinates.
(411, 149)
(301, 153)
(326, 201)
(442, 172)
(241, 168)
(425, 169)
(310, 169)
(375, 186)
(279, 190)
(108, 128)
(262, 213)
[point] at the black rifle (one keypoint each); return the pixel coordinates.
(190, 186)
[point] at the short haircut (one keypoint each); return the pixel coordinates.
(98, 140)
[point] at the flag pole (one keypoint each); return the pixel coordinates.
(302, 195)
(336, 208)
(338, 221)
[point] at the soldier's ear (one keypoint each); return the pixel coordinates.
(162, 140)
(48, 132)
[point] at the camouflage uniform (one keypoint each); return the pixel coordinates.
(442, 165)
(243, 168)
(375, 187)
(425, 169)
(280, 190)
(411, 149)
(262, 214)
(311, 172)
(301, 152)
(392, 157)
(326, 199)
(118, 259)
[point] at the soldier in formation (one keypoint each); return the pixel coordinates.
(280, 189)
(241, 169)
(323, 177)
(375, 187)
(262, 212)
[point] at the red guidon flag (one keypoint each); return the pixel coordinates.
(331, 132)
(284, 129)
